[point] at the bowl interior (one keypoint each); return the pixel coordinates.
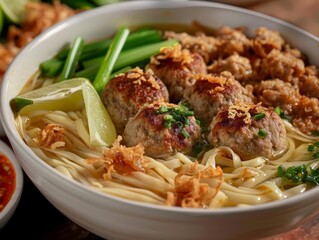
(103, 22)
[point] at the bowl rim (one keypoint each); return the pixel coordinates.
(17, 142)
(15, 198)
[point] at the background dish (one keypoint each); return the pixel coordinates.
(89, 208)
(11, 206)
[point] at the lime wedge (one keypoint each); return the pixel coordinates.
(14, 10)
(65, 96)
(100, 124)
(72, 95)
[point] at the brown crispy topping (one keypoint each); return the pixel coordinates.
(122, 159)
(190, 191)
(51, 136)
(176, 53)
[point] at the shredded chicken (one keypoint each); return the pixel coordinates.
(51, 136)
(190, 191)
(39, 16)
(122, 159)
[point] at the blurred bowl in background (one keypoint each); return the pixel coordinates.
(11, 180)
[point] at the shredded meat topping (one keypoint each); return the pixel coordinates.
(190, 191)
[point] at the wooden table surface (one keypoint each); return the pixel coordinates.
(35, 218)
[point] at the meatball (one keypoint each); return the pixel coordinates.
(177, 68)
(206, 46)
(163, 129)
(282, 65)
(306, 115)
(309, 82)
(126, 93)
(212, 92)
(238, 66)
(232, 41)
(250, 130)
(265, 41)
(273, 93)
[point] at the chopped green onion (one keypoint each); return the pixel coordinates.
(299, 174)
(259, 116)
(79, 4)
(262, 133)
(99, 48)
(185, 133)
(106, 68)
(72, 59)
(51, 68)
(126, 58)
(315, 133)
(278, 110)
(314, 149)
(134, 55)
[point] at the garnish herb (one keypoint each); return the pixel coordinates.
(299, 174)
(281, 114)
(72, 60)
(262, 133)
(105, 70)
(314, 149)
(259, 116)
(176, 116)
(315, 133)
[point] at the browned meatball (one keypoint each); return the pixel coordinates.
(177, 68)
(250, 130)
(212, 92)
(232, 41)
(306, 115)
(265, 41)
(309, 82)
(282, 65)
(238, 66)
(163, 129)
(273, 93)
(206, 46)
(125, 94)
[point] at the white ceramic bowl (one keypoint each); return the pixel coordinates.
(11, 206)
(115, 218)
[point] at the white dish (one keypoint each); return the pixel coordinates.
(115, 218)
(11, 206)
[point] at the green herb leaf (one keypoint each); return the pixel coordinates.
(262, 133)
(299, 174)
(259, 116)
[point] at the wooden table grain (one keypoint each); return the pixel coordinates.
(35, 218)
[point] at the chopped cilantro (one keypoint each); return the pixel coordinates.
(299, 174)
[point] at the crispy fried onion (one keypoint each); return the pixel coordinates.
(121, 159)
(51, 136)
(191, 189)
(176, 54)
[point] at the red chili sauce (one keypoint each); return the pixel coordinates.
(7, 181)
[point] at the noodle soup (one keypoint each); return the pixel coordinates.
(204, 120)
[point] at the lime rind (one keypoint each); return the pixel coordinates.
(14, 11)
(72, 95)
